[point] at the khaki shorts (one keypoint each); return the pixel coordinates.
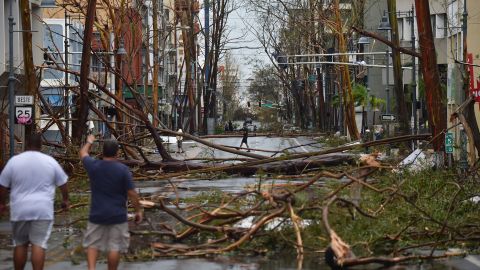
(113, 237)
(35, 232)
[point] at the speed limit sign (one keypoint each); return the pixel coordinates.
(23, 115)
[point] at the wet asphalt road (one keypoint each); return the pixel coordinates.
(58, 257)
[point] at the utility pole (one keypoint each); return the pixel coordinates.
(11, 81)
(387, 88)
(414, 74)
(401, 106)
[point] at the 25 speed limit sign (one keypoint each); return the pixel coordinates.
(23, 115)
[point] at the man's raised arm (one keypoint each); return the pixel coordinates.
(86, 147)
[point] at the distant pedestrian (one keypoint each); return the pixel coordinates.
(245, 138)
(230, 125)
(225, 127)
(110, 184)
(180, 142)
(31, 177)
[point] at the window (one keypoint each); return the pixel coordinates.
(53, 37)
(455, 46)
(442, 25)
(434, 25)
(400, 28)
(98, 63)
(53, 43)
(55, 98)
(167, 14)
(407, 29)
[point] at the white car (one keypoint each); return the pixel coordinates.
(291, 128)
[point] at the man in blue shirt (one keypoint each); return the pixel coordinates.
(110, 184)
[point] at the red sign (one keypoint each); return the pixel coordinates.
(474, 90)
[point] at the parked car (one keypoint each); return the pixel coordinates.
(250, 127)
(291, 128)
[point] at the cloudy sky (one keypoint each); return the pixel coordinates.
(244, 46)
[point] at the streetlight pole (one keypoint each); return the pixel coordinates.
(385, 25)
(65, 94)
(11, 81)
(206, 65)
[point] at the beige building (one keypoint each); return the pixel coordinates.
(36, 7)
(447, 21)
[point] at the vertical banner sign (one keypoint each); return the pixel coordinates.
(474, 90)
(449, 143)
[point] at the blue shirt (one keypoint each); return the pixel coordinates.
(109, 183)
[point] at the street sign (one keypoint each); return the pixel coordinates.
(23, 100)
(449, 143)
(388, 117)
(23, 115)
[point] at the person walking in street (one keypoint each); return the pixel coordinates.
(179, 142)
(245, 138)
(230, 125)
(32, 178)
(110, 184)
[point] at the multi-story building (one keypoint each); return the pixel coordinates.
(123, 44)
(36, 8)
(456, 28)
(447, 19)
(379, 83)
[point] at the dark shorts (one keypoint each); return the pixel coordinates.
(113, 237)
(37, 232)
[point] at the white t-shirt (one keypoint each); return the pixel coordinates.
(32, 178)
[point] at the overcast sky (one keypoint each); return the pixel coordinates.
(244, 47)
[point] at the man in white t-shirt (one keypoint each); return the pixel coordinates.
(31, 178)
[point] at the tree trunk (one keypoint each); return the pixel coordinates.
(31, 79)
(82, 106)
(435, 96)
(348, 105)
(402, 112)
